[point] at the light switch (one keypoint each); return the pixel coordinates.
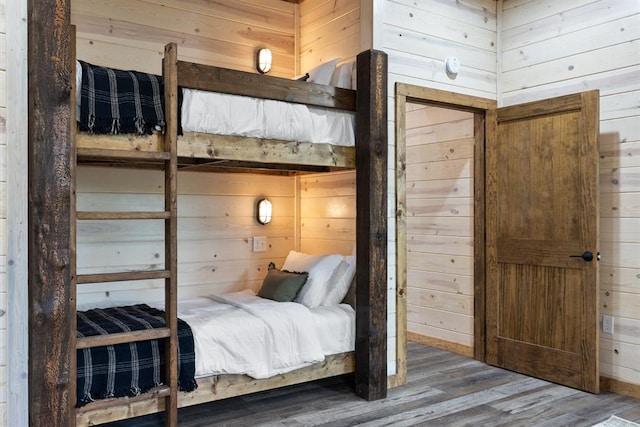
(259, 244)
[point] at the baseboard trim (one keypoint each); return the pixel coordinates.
(392, 381)
(441, 344)
(620, 387)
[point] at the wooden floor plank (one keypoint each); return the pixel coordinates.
(443, 389)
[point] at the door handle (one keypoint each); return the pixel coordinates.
(586, 255)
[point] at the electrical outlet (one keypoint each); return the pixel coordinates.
(259, 244)
(607, 324)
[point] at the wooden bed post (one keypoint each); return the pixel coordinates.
(50, 192)
(371, 227)
(170, 78)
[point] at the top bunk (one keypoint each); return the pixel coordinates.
(218, 117)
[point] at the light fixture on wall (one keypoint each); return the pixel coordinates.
(263, 60)
(264, 211)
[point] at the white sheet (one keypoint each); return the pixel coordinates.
(217, 113)
(222, 114)
(336, 328)
(261, 338)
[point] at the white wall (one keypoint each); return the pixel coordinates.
(13, 273)
(3, 216)
(555, 48)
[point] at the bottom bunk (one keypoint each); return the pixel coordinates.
(299, 327)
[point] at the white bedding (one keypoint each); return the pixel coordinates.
(217, 113)
(241, 333)
(222, 114)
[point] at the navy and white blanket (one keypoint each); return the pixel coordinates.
(118, 101)
(132, 368)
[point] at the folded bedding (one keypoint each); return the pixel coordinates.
(117, 101)
(132, 368)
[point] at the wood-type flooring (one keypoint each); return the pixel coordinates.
(443, 389)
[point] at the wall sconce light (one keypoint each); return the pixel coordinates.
(264, 211)
(263, 60)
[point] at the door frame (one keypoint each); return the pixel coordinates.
(478, 106)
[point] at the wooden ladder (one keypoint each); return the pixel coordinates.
(167, 161)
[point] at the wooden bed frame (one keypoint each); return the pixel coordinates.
(227, 152)
(209, 389)
(231, 154)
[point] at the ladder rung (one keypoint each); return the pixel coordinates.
(154, 393)
(122, 338)
(121, 277)
(111, 155)
(123, 215)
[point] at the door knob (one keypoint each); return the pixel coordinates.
(586, 255)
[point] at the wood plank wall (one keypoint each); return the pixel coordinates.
(439, 187)
(328, 29)
(328, 213)
(3, 216)
(13, 279)
(418, 36)
(216, 223)
(132, 33)
(555, 48)
(216, 210)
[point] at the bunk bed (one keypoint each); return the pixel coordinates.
(173, 150)
(334, 107)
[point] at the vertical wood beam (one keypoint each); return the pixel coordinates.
(50, 193)
(73, 228)
(478, 237)
(401, 236)
(371, 226)
(170, 80)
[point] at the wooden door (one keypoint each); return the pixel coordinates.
(542, 216)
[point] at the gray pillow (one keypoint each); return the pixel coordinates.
(282, 285)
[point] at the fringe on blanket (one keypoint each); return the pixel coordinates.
(118, 101)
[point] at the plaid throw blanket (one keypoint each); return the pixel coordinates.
(133, 368)
(117, 101)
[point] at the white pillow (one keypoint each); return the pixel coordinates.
(354, 76)
(342, 76)
(323, 72)
(340, 281)
(320, 269)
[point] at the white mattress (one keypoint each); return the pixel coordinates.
(222, 114)
(230, 340)
(217, 113)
